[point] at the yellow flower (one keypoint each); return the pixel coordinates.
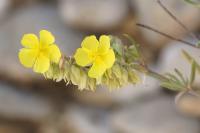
(97, 53)
(38, 53)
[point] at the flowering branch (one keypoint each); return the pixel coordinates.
(107, 62)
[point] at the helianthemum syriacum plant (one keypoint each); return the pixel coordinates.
(105, 62)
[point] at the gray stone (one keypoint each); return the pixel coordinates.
(189, 105)
(127, 94)
(84, 119)
(23, 105)
(11, 129)
(4, 8)
(154, 114)
(94, 15)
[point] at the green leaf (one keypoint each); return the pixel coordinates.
(186, 55)
(180, 76)
(117, 70)
(132, 52)
(198, 44)
(173, 78)
(133, 42)
(193, 2)
(172, 86)
(117, 45)
(133, 77)
(175, 82)
(193, 72)
(191, 59)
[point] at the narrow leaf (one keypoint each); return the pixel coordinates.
(173, 78)
(193, 72)
(198, 44)
(180, 76)
(190, 59)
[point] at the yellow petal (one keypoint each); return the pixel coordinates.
(27, 57)
(104, 44)
(30, 41)
(97, 69)
(46, 37)
(54, 53)
(82, 57)
(109, 58)
(90, 43)
(42, 64)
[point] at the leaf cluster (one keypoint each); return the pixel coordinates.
(179, 82)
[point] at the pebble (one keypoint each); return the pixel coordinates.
(23, 105)
(94, 15)
(155, 114)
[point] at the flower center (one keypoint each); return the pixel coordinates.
(43, 49)
(94, 55)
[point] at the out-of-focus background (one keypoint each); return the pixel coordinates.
(31, 104)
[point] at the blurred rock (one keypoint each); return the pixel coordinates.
(20, 3)
(144, 114)
(4, 8)
(190, 105)
(31, 20)
(22, 105)
(104, 98)
(84, 119)
(160, 20)
(17, 127)
(94, 15)
(154, 114)
(11, 129)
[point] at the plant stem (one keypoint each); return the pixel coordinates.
(177, 20)
(156, 75)
(166, 35)
(142, 67)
